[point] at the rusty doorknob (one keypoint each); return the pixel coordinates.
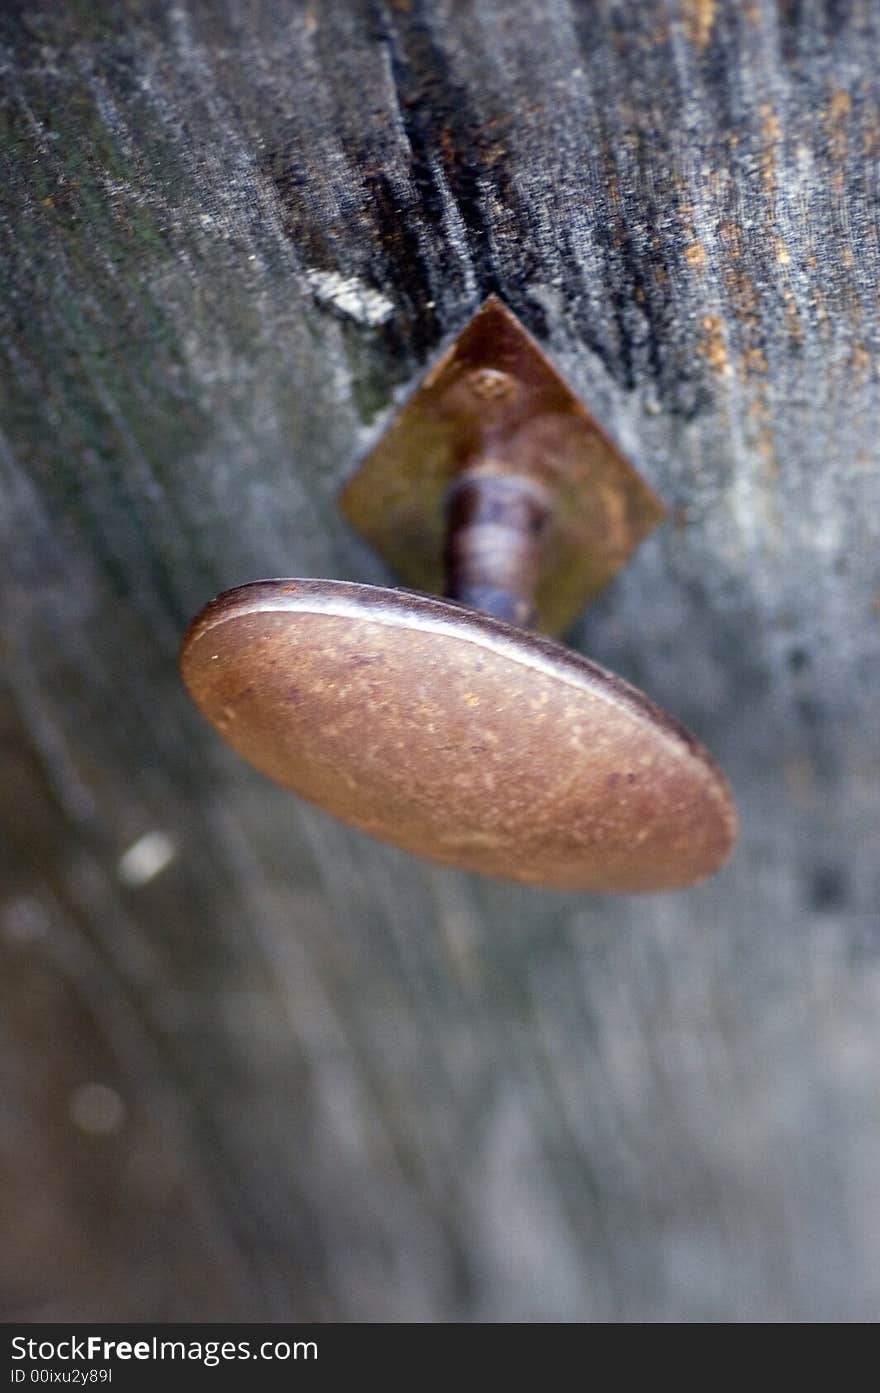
(442, 726)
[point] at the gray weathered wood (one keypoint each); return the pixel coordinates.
(355, 1086)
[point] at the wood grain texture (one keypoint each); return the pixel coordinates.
(352, 1085)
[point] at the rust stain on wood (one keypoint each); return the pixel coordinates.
(771, 132)
(712, 346)
(699, 17)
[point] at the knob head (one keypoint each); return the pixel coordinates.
(458, 737)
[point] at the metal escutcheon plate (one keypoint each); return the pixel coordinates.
(495, 395)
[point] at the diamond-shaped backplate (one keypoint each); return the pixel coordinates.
(493, 398)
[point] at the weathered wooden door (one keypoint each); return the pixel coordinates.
(254, 1065)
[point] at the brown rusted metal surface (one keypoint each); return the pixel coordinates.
(494, 398)
(458, 737)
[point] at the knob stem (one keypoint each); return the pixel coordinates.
(496, 524)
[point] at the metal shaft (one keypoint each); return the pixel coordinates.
(495, 526)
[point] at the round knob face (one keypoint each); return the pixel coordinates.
(458, 737)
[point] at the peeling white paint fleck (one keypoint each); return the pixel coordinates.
(351, 296)
(23, 920)
(97, 1109)
(145, 858)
